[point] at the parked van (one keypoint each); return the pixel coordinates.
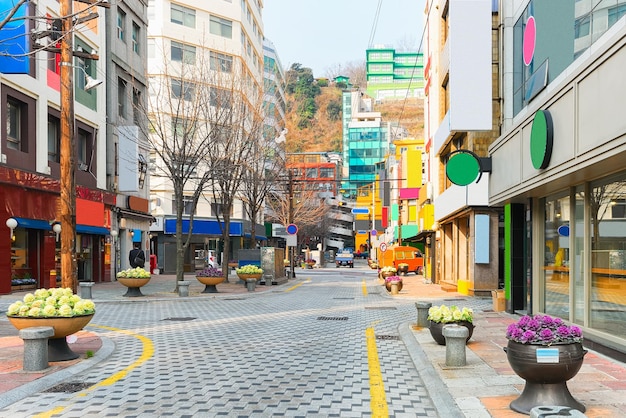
(402, 254)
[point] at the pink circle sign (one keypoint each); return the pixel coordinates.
(530, 37)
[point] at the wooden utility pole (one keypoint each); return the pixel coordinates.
(68, 181)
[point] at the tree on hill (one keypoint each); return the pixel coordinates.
(302, 86)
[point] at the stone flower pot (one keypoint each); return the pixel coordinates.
(133, 284)
(546, 370)
(209, 283)
(58, 350)
(436, 330)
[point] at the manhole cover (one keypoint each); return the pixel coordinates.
(332, 318)
(387, 337)
(182, 318)
(70, 387)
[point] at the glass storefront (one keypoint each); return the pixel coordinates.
(585, 242)
(607, 204)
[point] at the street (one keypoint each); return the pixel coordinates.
(325, 344)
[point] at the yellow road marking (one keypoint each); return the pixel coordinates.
(378, 400)
(147, 353)
(298, 285)
(364, 288)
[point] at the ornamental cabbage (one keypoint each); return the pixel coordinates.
(51, 303)
(543, 330)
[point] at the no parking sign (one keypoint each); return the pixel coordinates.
(383, 247)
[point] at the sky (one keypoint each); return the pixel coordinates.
(321, 34)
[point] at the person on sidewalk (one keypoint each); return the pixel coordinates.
(136, 257)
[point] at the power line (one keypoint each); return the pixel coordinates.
(374, 24)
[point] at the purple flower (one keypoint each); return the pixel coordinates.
(543, 330)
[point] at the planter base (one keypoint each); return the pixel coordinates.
(58, 350)
(133, 292)
(535, 394)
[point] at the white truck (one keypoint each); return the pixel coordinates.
(345, 257)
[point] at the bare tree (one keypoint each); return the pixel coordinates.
(302, 208)
(236, 117)
(261, 177)
(202, 121)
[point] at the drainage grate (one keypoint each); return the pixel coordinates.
(182, 318)
(234, 299)
(343, 298)
(388, 308)
(70, 387)
(388, 337)
(332, 318)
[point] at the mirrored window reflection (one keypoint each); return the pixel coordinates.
(578, 255)
(557, 255)
(607, 203)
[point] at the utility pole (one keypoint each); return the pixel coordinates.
(290, 221)
(67, 160)
(68, 148)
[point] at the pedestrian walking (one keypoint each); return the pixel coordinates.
(137, 257)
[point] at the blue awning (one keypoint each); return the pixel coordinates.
(258, 237)
(202, 226)
(33, 223)
(93, 230)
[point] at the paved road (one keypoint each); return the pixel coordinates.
(323, 345)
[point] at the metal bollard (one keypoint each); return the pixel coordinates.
(456, 337)
(251, 284)
(422, 313)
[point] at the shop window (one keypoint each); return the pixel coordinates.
(54, 139)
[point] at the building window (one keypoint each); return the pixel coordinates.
(121, 25)
(54, 139)
(221, 27)
(217, 209)
(221, 62)
(183, 16)
(83, 149)
(136, 106)
(183, 53)
(311, 173)
(187, 205)
(15, 125)
(220, 97)
(182, 90)
(121, 97)
(136, 30)
(327, 173)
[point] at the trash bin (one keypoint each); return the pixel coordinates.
(499, 302)
(153, 263)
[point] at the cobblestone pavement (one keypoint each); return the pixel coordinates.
(299, 349)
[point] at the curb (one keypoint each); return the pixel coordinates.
(437, 390)
(64, 375)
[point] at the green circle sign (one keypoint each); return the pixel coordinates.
(462, 168)
(541, 139)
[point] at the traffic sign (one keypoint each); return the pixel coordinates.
(292, 229)
(374, 232)
(383, 247)
(360, 211)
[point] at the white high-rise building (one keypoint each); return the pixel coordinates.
(215, 46)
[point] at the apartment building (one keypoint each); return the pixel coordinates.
(30, 151)
(394, 75)
(216, 46)
(461, 113)
(127, 147)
